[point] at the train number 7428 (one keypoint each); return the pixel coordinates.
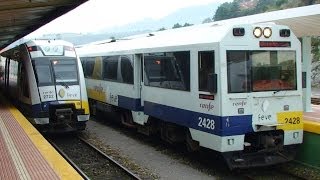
(206, 123)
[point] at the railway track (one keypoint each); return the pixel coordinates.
(269, 173)
(131, 174)
(88, 160)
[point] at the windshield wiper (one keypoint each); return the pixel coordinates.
(62, 82)
(275, 92)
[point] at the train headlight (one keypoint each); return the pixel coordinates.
(257, 32)
(267, 32)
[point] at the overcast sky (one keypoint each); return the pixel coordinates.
(95, 15)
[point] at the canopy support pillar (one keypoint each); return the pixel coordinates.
(306, 73)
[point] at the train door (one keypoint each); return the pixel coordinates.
(23, 88)
(138, 62)
(138, 116)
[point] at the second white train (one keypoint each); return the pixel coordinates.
(233, 89)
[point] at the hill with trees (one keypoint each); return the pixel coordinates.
(239, 8)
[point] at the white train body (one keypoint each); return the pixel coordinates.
(46, 79)
(232, 90)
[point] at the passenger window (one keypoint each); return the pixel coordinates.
(126, 70)
(24, 81)
(97, 67)
(87, 65)
(169, 70)
(110, 67)
(205, 67)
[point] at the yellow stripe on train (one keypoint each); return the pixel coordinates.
(290, 120)
(97, 95)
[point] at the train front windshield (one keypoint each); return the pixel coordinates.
(256, 71)
(56, 71)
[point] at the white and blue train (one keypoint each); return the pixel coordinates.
(45, 79)
(235, 89)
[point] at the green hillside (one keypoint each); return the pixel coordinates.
(239, 8)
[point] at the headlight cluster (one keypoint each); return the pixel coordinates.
(258, 32)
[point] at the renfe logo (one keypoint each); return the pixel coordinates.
(209, 106)
(241, 103)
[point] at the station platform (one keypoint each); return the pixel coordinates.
(25, 153)
(312, 120)
(310, 148)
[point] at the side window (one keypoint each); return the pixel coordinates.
(97, 67)
(24, 81)
(205, 67)
(169, 70)
(87, 65)
(89, 68)
(110, 67)
(126, 70)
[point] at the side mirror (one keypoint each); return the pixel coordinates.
(212, 83)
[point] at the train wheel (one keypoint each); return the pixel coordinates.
(92, 108)
(171, 133)
(126, 119)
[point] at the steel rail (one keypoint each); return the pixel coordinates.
(131, 174)
(65, 156)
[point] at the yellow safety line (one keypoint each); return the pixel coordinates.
(56, 161)
(311, 126)
(17, 160)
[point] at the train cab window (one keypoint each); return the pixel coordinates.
(65, 70)
(110, 68)
(238, 71)
(126, 70)
(273, 70)
(205, 67)
(256, 71)
(43, 74)
(169, 70)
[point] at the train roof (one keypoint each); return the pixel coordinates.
(47, 41)
(169, 38)
(37, 42)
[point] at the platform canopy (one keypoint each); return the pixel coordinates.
(303, 21)
(21, 17)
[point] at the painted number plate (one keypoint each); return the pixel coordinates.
(290, 120)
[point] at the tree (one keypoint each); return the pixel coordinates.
(207, 20)
(222, 12)
(315, 71)
(177, 25)
(187, 24)
(162, 29)
(227, 11)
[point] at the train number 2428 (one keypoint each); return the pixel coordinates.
(206, 123)
(294, 120)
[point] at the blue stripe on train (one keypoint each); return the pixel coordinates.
(223, 126)
(130, 103)
(43, 107)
